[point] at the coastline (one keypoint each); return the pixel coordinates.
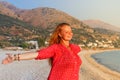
(91, 70)
(29, 70)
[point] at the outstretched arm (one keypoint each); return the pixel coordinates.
(40, 54)
(25, 56)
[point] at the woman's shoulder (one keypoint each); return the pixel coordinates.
(54, 45)
(75, 46)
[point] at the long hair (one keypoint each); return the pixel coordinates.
(55, 38)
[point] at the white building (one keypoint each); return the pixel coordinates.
(34, 43)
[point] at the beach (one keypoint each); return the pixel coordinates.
(91, 70)
(39, 69)
(23, 70)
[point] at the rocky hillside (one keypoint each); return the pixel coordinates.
(40, 17)
(38, 23)
(101, 24)
(6, 9)
(44, 17)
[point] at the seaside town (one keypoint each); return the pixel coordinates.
(97, 44)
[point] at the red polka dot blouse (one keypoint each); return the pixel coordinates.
(66, 62)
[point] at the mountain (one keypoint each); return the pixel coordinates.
(17, 25)
(8, 5)
(7, 9)
(101, 24)
(44, 17)
(13, 27)
(40, 17)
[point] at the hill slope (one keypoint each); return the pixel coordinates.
(47, 17)
(101, 24)
(44, 20)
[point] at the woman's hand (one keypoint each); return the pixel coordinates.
(8, 59)
(17, 57)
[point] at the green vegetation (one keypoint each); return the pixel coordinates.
(6, 21)
(16, 32)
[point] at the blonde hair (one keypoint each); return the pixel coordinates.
(55, 38)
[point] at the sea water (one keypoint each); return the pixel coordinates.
(110, 59)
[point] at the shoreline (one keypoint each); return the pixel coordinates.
(92, 70)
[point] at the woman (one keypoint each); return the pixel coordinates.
(64, 55)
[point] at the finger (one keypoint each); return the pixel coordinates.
(9, 60)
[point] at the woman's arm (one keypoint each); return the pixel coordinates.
(17, 57)
(44, 53)
(28, 56)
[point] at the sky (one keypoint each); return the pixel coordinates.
(104, 10)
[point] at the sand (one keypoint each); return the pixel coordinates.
(39, 70)
(91, 70)
(23, 70)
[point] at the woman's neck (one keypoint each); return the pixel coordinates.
(65, 43)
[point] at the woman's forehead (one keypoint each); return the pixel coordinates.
(66, 27)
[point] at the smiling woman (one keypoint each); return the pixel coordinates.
(65, 64)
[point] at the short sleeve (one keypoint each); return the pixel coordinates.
(47, 52)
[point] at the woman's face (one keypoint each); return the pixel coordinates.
(66, 33)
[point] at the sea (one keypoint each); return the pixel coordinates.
(110, 59)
